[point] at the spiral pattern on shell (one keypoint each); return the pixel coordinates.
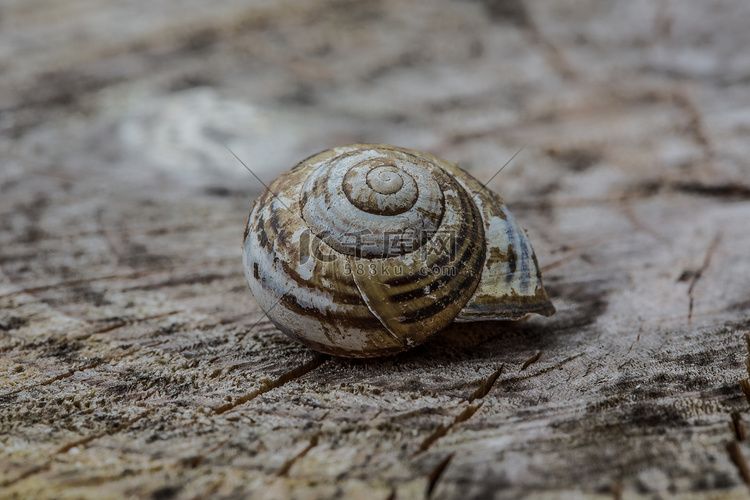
(367, 198)
(366, 250)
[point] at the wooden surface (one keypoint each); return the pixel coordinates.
(135, 363)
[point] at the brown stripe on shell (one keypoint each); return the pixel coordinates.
(337, 323)
(346, 313)
(439, 281)
(274, 229)
(466, 251)
(365, 320)
(340, 286)
(440, 305)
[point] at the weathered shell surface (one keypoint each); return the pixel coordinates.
(367, 249)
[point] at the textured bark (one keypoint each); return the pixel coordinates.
(134, 361)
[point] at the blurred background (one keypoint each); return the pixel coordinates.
(149, 90)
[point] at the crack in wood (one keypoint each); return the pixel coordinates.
(616, 490)
(726, 191)
(88, 366)
(577, 252)
(517, 13)
(533, 359)
(210, 491)
(28, 472)
(122, 322)
(486, 385)
(194, 461)
(119, 323)
(190, 279)
(227, 369)
(79, 442)
(738, 459)
(745, 386)
(639, 225)
(298, 372)
(434, 476)
(681, 99)
(644, 191)
(284, 470)
(107, 236)
(696, 126)
(484, 388)
(121, 276)
(699, 273)
(83, 281)
(545, 370)
(442, 430)
(88, 439)
(737, 426)
(637, 339)
(553, 55)
(54, 379)
(745, 382)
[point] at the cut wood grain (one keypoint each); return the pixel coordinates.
(134, 361)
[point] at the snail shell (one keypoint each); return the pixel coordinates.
(367, 249)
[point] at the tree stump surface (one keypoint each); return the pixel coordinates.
(134, 361)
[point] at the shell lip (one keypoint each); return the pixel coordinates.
(510, 312)
(508, 307)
